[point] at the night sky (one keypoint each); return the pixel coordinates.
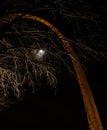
(65, 110)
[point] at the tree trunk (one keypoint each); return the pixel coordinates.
(89, 103)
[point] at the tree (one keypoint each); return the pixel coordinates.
(25, 66)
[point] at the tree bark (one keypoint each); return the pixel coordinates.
(89, 103)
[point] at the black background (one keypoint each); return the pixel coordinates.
(66, 110)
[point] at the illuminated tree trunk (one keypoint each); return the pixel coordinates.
(89, 103)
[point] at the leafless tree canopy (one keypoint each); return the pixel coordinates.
(31, 53)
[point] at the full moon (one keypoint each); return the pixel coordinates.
(38, 54)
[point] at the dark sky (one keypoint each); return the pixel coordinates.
(66, 110)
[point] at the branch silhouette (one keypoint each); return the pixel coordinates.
(20, 63)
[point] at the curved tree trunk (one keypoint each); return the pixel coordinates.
(89, 103)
